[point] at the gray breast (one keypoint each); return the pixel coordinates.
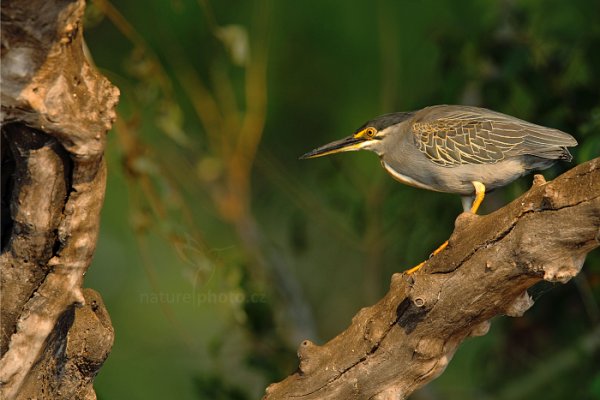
(410, 166)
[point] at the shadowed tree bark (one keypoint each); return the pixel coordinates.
(56, 110)
(407, 339)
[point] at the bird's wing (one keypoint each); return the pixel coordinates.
(454, 135)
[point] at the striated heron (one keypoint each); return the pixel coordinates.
(456, 149)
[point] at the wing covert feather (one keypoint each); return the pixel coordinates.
(454, 135)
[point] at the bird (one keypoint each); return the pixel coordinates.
(458, 149)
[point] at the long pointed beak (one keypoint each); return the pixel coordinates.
(348, 144)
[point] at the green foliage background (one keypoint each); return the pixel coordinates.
(220, 251)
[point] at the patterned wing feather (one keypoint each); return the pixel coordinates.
(454, 135)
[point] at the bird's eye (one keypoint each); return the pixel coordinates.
(370, 132)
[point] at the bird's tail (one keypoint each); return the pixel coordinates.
(549, 143)
(553, 153)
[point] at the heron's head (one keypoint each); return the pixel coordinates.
(375, 135)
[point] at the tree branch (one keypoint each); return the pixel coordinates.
(56, 110)
(408, 337)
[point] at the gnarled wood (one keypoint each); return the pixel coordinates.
(56, 110)
(408, 337)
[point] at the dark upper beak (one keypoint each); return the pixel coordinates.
(347, 144)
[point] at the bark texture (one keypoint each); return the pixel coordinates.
(56, 110)
(408, 337)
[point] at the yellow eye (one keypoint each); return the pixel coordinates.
(370, 132)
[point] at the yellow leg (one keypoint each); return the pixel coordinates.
(439, 249)
(479, 196)
(414, 269)
(435, 252)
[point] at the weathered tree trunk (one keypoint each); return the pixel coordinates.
(409, 336)
(56, 110)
